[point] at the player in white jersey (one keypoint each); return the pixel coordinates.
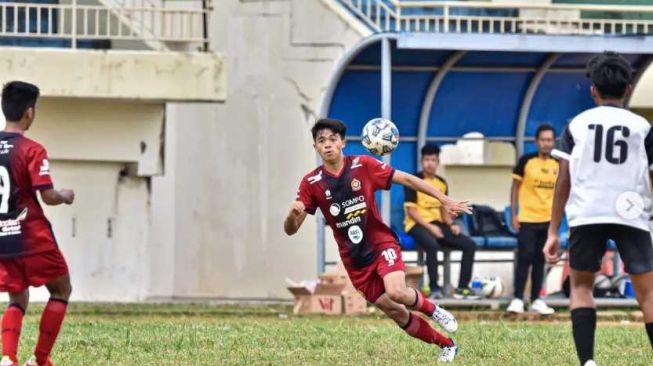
(605, 154)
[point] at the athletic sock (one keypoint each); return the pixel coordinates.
(421, 329)
(12, 323)
(51, 321)
(583, 322)
(422, 304)
(649, 330)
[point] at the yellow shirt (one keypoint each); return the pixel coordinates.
(538, 177)
(427, 207)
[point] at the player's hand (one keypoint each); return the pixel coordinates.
(516, 224)
(68, 196)
(297, 208)
(454, 207)
(455, 229)
(436, 231)
(552, 249)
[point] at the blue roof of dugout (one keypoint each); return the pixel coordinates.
(446, 85)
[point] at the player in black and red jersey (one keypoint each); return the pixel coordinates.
(29, 255)
(343, 189)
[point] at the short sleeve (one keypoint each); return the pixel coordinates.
(305, 196)
(379, 172)
(38, 167)
(410, 197)
(518, 171)
(565, 146)
(648, 144)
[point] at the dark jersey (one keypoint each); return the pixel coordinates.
(349, 206)
(24, 170)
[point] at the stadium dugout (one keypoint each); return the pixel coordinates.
(438, 87)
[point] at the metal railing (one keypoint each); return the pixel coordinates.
(134, 20)
(486, 17)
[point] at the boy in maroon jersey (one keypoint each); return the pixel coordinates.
(343, 188)
(29, 255)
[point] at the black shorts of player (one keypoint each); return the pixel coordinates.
(588, 243)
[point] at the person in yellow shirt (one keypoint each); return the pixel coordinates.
(531, 200)
(433, 228)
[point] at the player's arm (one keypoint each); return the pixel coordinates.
(514, 202)
(53, 197)
(413, 182)
(295, 218)
(560, 197)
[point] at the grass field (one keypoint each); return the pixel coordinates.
(229, 335)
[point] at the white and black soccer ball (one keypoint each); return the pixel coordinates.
(380, 136)
(492, 288)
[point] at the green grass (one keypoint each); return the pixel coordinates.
(229, 335)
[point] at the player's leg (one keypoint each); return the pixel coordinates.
(52, 317)
(413, 324)
(429, 243)
(397, 291)
(525, 254)
(636, 250)
(12, 324)
(537, 272)
(468, 247)
(587, 245)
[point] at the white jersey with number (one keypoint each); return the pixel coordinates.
(610, 152)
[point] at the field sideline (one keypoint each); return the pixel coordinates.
(230, 335)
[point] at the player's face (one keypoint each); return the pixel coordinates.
(329, 145)
(430, 164)
(545, 142)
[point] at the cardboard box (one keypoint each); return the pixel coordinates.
(414, 276)
(354, 303)
(322, 299)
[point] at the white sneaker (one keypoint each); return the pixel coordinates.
(590, 363)
(31, 362)
(540, 307)
(446, 320)
(448, 354)
(516, 306)
(6, 361)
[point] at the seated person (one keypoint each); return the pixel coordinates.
(433, 228)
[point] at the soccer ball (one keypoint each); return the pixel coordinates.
(380, 136)
(492, 287)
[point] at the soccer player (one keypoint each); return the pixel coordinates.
(343, 189)
(533, 180)
(604, 181)
(433, 227)
(29, 255)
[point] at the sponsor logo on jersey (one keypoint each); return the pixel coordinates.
(344, 224)
(356, 163)
(353, 201)
(5, 147)
(334, 209)
(327, 193)
(45, 168)
(355, 234)
(356, 185)
(355, 214)
(355, 207)
(316, 178)
(13, 226)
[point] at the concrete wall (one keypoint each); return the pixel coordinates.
(232, 169)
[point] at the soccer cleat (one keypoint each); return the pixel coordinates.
(540, 307)
(590, 363)
(516, 306)
(466, 293)
(445, 319)
(7, 361)
(448, 353)
(32, 362)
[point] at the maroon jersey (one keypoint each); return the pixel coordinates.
(349, 206)
(24, 170)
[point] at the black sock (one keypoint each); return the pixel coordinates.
(649, 330)
(583, 321)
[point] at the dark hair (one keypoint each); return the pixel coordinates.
(336, 126)
(17, 97)
(611, 74)
(430, 149)
(543, 128)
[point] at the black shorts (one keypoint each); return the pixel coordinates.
(588, 243)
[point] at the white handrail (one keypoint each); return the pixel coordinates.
(76, 22)
(442, 16)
